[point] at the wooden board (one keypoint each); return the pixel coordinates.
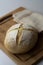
(28, 58)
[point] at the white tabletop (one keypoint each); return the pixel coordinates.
(5, 60)
(9, 5)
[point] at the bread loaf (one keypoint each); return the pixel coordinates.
(20, 38)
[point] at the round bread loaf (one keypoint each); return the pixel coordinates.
(20, 39)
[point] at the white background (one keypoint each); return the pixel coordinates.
(9, 5)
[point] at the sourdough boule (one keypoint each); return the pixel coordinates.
(20, 39)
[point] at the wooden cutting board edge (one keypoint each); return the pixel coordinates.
(31, 61)
(12, 12)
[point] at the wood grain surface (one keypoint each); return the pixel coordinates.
(28, 58)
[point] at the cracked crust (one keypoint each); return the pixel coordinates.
(19, 34)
